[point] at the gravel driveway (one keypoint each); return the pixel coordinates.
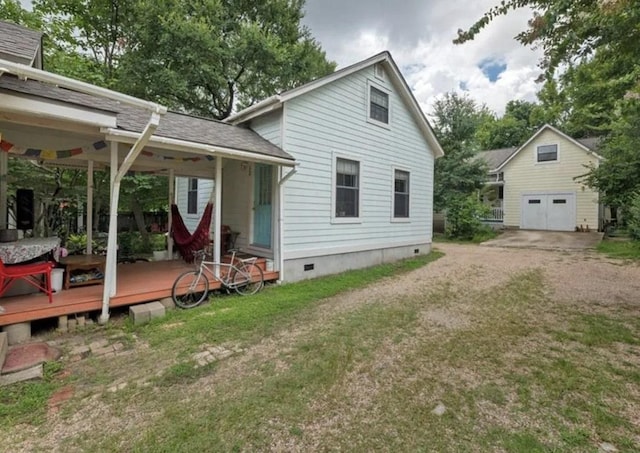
(578, 276)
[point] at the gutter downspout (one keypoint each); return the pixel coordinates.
(281, 182)
(112, 242)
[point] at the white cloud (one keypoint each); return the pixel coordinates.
(419, 35)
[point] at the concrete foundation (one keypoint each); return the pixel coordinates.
(318, 266)
(139, 314)
(156, 310)
(18, 333)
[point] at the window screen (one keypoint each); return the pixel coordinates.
(401, 194)
(547, 153)
(379, 105)
(347, 187)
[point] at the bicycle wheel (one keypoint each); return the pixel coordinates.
(190, 289)
(248, 279)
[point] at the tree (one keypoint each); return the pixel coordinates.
(86, 38)
(457, 173)
(617, 176)
(210, 56)
(513, 129)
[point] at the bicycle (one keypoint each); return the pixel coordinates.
(242, 275)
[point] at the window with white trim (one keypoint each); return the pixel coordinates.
(378, 105)
(547, 153)
(192, 196)
(347, 188)
(401, 194)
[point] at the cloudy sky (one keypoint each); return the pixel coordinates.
(493, 69)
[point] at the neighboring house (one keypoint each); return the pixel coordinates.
(362, 191)
(537, 186)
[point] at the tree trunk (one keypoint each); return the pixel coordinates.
(138, 215)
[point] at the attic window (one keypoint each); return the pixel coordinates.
(378, 105)
(547, 153)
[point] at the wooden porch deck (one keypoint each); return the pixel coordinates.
(137, 283)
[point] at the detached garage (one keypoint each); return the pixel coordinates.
(544, 211)
(542, 184)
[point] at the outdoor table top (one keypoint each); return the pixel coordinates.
(27, 249)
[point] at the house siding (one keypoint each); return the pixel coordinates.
(332, 121)
(524, 175)
(205, 188)
(268, 126)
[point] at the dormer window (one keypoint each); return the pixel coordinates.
(378, 105)
(547, 153)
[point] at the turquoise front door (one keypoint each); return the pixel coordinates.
(262, 196)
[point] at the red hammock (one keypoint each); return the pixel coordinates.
(186, 242)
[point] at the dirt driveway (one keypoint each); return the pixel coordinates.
(546, 240)
(498, 336)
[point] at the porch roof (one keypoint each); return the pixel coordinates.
(177, 126)
(495, 157)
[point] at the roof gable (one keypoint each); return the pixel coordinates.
(547, 127)
(20, 44)
(275, 102)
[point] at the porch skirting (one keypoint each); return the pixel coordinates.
(318, 266)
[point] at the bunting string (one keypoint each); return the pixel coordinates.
(50, 154)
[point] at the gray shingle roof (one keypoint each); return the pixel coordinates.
(496, 157)
(172, 125)
(19, 44)
(593, 143)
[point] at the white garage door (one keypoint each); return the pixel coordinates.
(544, 211)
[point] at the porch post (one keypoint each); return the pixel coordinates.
(116, 176)
(217, 247)
(172, 178)
(89, 222)
(4, 170)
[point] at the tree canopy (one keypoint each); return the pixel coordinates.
(457, 173)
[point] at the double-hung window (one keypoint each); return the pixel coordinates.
(378, 105)
(547, 153)
(401, 194)
(347, 188)
(192, 196)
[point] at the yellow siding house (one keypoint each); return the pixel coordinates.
(538, 185)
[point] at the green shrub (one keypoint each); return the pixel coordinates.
(463, 217)
(633, 217)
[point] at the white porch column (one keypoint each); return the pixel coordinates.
(4, 171)
(217, 247)
(172, 196)
(116, 176)
(89, 222)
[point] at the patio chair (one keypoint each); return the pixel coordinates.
(28, 273)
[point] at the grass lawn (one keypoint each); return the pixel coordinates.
(349, 363)
(620, 249)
